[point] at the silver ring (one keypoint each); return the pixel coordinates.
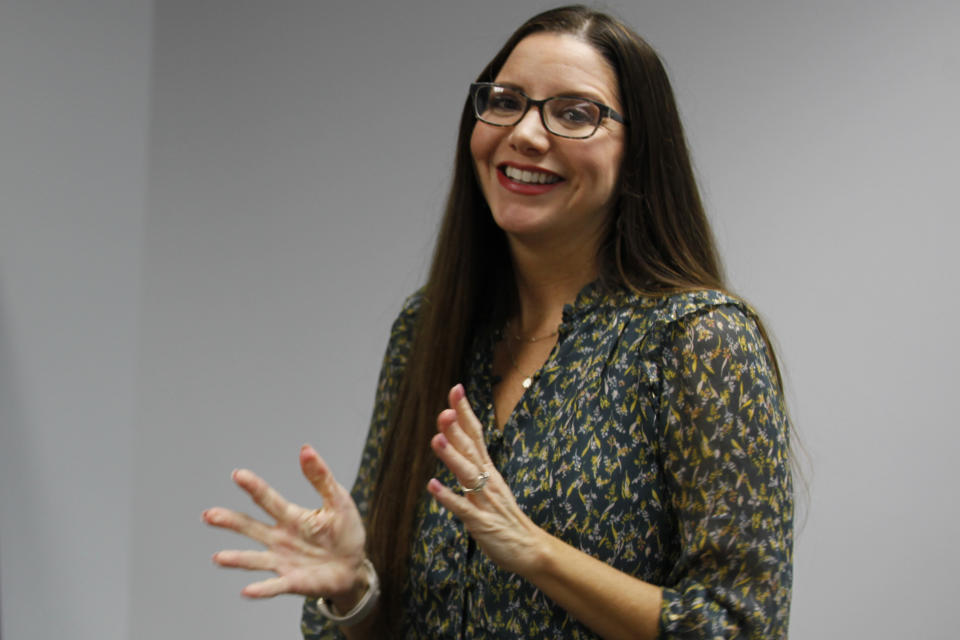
(480, 483)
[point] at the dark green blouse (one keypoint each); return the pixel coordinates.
(655, 438)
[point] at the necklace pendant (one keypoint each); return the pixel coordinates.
(527, 382)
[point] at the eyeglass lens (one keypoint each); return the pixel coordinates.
(570, 117)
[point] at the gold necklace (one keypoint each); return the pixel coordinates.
(520, 338)
(527, 378)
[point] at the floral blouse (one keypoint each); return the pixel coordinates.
(655, 438)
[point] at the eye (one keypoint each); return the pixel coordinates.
(575, 113)
(505, 101)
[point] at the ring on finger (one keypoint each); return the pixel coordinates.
(310, 525)
(478, 484)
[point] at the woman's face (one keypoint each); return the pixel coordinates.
(574, 204)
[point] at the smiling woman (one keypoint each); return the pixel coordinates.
(570, 210)
(609, 436)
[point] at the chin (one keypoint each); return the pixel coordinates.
(521, 222)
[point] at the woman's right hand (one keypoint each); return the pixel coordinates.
(313, 552)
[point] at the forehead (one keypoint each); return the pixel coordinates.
(548, 64)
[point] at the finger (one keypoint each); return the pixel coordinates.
(448, 426)
(315, 470)
(465, 470)
(267, 588)
(263, 494)
(459, 505)
(250, 560)
(445, 418)
(311, 524)
(240, 523)
(468, 420)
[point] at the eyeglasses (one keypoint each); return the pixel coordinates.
(564, 116)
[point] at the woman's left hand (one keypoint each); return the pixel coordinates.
(612, 603)
(491, 515)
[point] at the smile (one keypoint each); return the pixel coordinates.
(530, 177)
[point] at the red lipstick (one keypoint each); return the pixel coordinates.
(524, 188)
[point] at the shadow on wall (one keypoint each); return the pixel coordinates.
(16, 507)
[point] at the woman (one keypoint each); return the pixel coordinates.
(613, 452)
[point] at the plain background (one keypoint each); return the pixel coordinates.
(210, 211)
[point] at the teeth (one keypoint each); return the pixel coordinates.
(530, 177)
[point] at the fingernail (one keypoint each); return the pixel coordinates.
(442, 441)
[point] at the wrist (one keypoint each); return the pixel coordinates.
(347, 600)
(352, 607)
(542, 556)
(534, 555)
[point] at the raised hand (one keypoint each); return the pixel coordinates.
(313, 552)
(487, 507)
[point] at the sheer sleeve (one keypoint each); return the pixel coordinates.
(313, 625)
(723, 433)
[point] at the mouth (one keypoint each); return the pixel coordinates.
(529, 176)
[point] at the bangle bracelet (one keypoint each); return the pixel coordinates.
(363, 608)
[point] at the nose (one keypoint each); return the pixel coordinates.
(529, 135)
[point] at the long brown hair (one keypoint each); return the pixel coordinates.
(658, 242)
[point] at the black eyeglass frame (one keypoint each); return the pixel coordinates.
(605, 111)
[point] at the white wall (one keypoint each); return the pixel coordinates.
(294, 189)
(298, 157)
(827, 140)
(74, 101)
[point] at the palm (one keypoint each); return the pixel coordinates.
(318, 557)
(312, 552)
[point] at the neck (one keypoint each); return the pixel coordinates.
(546, 281)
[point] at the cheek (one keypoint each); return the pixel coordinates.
(484, 142)
(481, 145)
(608, 167)
(600, 165)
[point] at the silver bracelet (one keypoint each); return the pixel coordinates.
(363, 608)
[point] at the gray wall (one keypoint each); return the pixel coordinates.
(293, 157)
(74, 104)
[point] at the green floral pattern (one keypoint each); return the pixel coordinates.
(655, 438)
